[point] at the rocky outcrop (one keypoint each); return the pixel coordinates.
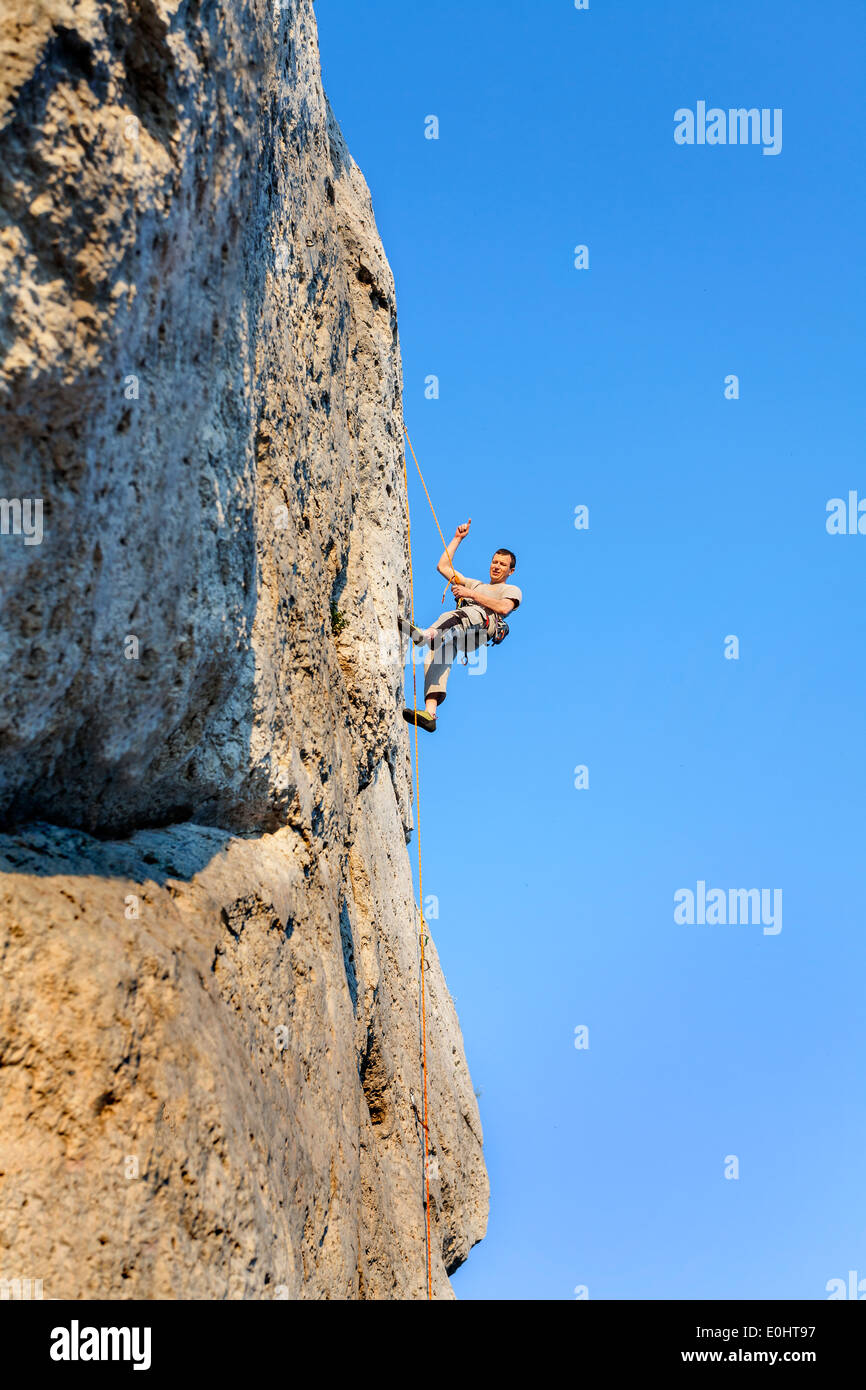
(209, 1018)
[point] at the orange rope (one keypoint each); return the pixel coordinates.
(420, 880)
(432, 508)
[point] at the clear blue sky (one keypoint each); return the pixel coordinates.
(605, 387)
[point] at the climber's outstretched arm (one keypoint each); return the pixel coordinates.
(446, 562)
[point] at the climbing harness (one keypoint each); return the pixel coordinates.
(496, 627)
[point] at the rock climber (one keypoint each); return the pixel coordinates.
(478, 620)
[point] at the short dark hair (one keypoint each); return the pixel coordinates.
(510, 553)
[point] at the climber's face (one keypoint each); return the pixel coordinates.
(500, 568)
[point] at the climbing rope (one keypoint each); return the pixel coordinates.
(424, 1124)
(432, 508)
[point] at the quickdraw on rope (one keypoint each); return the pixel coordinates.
(424, 1124)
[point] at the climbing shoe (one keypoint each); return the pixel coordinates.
(410, 630)
(421, 718)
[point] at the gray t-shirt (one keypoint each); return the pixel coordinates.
(494, 591)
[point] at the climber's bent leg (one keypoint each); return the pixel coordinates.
(437, 668)
(427, 636)
(461, 631)
(415, 634)
(464, 630)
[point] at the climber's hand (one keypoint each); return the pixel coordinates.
(460, 591)
(463, 530)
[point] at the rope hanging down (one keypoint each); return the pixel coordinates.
(424, 1124)
(432, 508)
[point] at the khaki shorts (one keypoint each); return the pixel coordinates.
(460, 632)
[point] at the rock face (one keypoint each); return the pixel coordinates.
(209, 1017)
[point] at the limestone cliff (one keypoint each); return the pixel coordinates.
(209, 1017)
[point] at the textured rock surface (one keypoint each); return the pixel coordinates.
(209, 1056)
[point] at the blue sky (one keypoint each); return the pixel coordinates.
(605, 388)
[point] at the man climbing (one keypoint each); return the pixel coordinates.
(477, 620)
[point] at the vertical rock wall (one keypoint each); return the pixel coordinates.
(209, 1062)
